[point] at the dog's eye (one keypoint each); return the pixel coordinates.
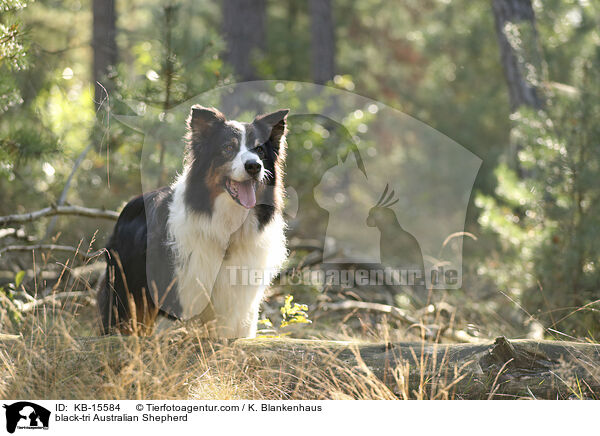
(260, 152)
(229, 150)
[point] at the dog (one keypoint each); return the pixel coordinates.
(185, 251)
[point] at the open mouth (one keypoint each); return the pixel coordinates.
(244, 193)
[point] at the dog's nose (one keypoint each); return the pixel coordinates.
(252, 167)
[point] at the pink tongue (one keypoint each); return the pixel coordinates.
(246, 194)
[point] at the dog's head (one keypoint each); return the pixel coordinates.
(242, 159)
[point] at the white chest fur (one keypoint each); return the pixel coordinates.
(218, 258)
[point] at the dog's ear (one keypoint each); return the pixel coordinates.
(276, 122)
(203, 118)
(273, 118)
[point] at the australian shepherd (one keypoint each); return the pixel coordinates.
(184, 251)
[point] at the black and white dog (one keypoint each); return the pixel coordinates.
(176, 252)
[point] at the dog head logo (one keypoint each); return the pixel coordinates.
(26, 415)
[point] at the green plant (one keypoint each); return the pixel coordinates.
(293, 313)
(548, 221)
(8, 301)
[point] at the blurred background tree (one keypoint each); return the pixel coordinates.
(24, 136)
(547, 222)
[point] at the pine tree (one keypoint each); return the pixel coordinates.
(21, 137)
(549, 222)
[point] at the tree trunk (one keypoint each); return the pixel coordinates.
(322, 40)
(104, 45)
(244, 29)
(168, 73)
(519, 51)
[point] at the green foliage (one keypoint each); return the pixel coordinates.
(25, 136)
(8, 302)
(12, 58)
(171, 61)
(12, 54)
(293, 313)
(265, 322)
(19, 279)
(549, 221)
(435, 60)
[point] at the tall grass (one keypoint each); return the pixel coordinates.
(49, 361)
(55, 353)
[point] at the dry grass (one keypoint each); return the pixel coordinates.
(57, 355)
(50, 361)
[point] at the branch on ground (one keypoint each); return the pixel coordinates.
(55, 299)
(16, 234)
(430, 330)
(52, 247)
(373, 307)
(59, 210)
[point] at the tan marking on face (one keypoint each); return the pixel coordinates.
(214, 182)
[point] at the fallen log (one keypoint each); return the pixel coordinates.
(502, 369)
(506, 369)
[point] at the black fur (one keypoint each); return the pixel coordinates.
(270, 129)
(265, 205)
(128, 263)
(139, 259)
(206, 137)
